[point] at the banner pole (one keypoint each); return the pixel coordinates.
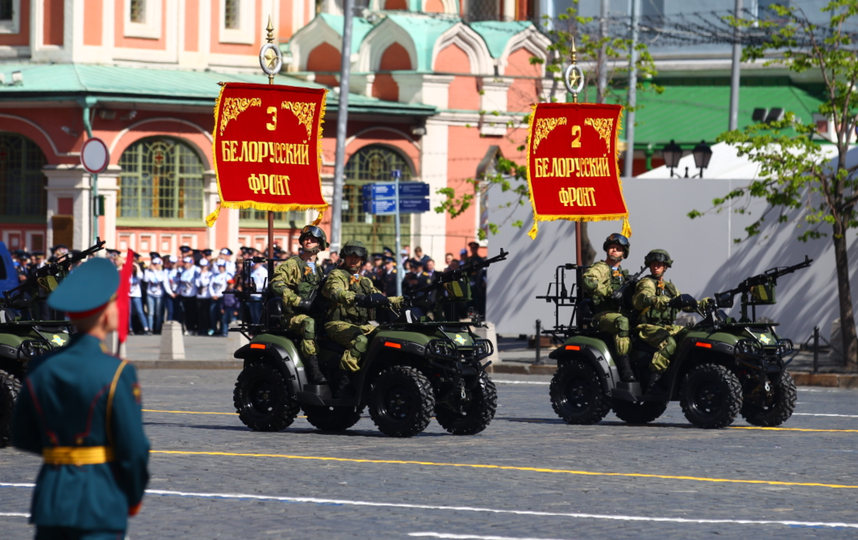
(574, 92)
(270, 39)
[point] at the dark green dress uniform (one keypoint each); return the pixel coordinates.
(80, 408)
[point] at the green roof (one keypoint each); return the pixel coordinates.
(161, 86)
(699, 109)
(497, 34)
(424, 31)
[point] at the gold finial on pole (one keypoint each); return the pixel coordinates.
(573, 77)
(270, 57)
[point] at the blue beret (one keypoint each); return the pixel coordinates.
(87, 287)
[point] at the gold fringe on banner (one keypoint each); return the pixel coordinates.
(627, 229)
(240, 205)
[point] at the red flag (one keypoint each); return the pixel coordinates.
(267, 147)
(572, 166)
(123, 300)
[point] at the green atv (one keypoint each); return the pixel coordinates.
(416, 366)
(22, 339)
(721, 368)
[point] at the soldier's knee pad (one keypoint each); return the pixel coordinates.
(309, 328)
(360, 344)
(622, 326)
(668, 347)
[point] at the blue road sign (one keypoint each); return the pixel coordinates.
(387, 190)
(388, 206)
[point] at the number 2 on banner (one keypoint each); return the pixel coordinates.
(576, 136)
(273, 124)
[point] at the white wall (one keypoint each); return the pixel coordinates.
(706, 260)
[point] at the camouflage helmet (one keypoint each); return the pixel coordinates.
(314, 232)
(658, 255)
(354, 247)
(620, 240)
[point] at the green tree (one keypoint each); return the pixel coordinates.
(567, 29)
(794, 171)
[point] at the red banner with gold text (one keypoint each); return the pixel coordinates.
(572, 168)
(267, 147)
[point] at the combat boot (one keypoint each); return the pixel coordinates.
(625, 369)
(314, 373)
(652, 386)
(342, 386)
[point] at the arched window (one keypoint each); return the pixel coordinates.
(22, 182)
(161, 178)
(372, 163)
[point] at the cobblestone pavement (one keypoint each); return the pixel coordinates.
(528, 475)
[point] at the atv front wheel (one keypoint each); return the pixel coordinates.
(577, 395)
(711, 396)
(401, 401)
(263, 400)
(477, 414)
(9, 388)
(332, 418)
(774, 409)
(638, 413)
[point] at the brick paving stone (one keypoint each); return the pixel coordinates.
(524, 434)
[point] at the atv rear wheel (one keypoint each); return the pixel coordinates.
(263, 400)
(638, 413)
(774, 409)
(711, 396)
(9, 388)
(577, 394)
(401, 401)
(332, 418)
(477, 414)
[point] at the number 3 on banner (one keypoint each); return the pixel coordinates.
(576, 136)
(273, 124)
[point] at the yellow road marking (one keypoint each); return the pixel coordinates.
(510, 468)
(796, 429)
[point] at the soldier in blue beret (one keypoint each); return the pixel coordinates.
(80, 409)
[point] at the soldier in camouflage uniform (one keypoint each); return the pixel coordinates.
(352, 301)
(658, 302)
(601, 282)
(294, 281)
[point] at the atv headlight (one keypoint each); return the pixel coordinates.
(748, 348)
(483, 348)
(785, 346)
(443, 348)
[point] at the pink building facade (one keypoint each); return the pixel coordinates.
(432, 95)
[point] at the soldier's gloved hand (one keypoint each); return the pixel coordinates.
(682, 301)
(378, 300)
(362, 300)
(617, 295)
(659, 302)
(305, 304)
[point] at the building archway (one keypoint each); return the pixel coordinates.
(370, 164)
(23, 199)
(162, 178)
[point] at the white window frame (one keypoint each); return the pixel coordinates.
(12, 26)
(244, 34)
(151, 29)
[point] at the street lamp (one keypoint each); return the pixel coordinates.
(671, 153)
(702, 154)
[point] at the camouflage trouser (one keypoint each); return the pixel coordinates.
(304, 326)
(617, 324)
(354, 337)
(664, 339)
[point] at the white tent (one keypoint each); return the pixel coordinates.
(727, 165)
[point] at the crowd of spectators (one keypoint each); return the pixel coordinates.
(196, 288)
